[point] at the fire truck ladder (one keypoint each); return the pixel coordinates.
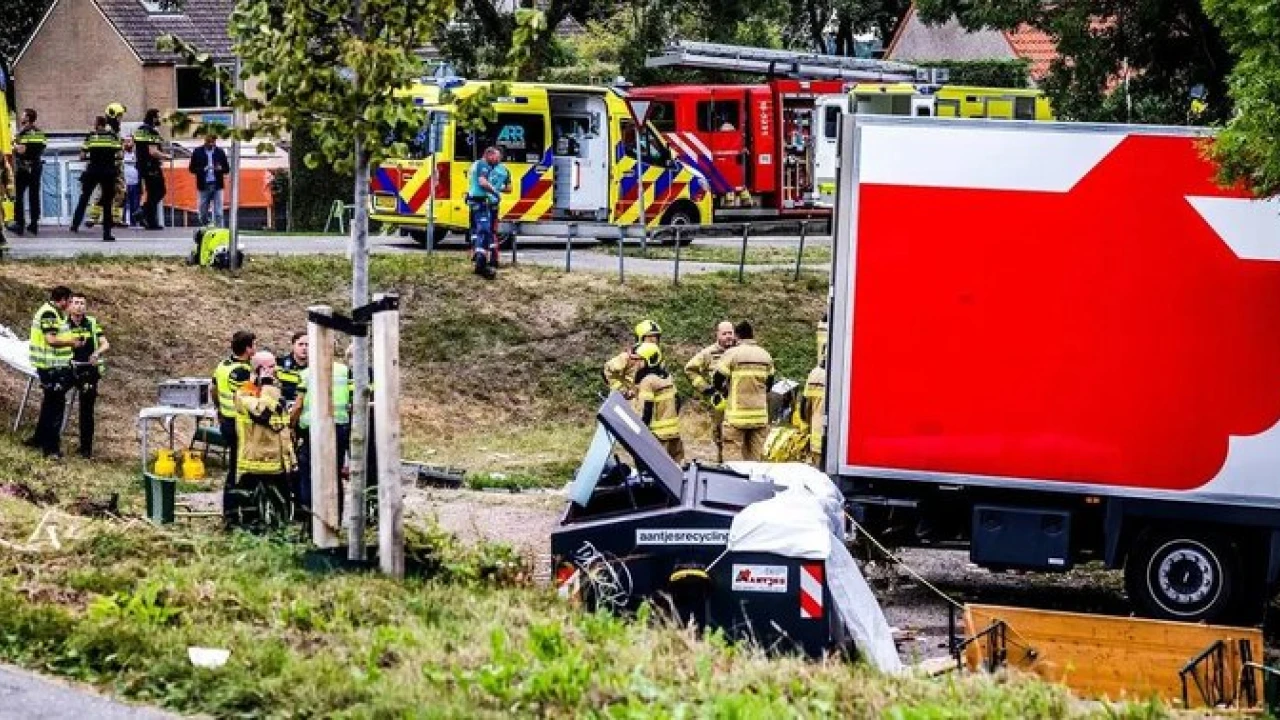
(780, 63)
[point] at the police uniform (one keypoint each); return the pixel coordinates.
(340, 393)
(228, 377)
(744, 374)
(53, 366)
(150, 172)
(86, 375)
(289, 375)
(103, 150)
(30, 167)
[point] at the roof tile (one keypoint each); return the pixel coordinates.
(203, 23)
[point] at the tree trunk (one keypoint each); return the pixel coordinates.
(360, 360)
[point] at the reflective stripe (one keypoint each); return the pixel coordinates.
(665, 429)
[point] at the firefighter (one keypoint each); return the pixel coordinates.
(657, 402)
(102, 149)
(701, 371)
(265, 455)
(744, 376)
(230, 374)
(148, 141)
(815, 394)
(87, 365)
(620, 371)
(51, 348)
(28, 153)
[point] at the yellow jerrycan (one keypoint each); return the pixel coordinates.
(164, 465)
(192, 466)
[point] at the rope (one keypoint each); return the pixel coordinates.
(910, 570)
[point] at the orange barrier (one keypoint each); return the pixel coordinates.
(255, 190)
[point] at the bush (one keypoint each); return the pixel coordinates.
(312, 191)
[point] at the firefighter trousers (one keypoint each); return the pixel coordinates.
(744, 443)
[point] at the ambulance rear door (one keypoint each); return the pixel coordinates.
(829, 109)
(521, 130)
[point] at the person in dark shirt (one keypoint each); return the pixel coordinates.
(28, 154)
(87, 364)
(102, 150)
(289, 367)
(148, 141)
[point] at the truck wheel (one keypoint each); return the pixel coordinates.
(682, 213)
(1180, 576)
(420, 236)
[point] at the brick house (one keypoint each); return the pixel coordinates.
(85, 54)
(914, 41)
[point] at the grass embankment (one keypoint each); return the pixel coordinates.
(814, 255)
(118, 604)
(499, 377)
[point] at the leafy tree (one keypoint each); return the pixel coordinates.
(849, 18)
(1248, 149)
(335, 68)
(18, 20)
(477, 38)
(1120, 60)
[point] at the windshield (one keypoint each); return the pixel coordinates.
(653, 150)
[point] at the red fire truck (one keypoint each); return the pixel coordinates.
(754, 143)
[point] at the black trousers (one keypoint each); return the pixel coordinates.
(227, 426)
(262, 501)
(27, 181)
(153, 183)
(343, 445)
(53, 406)
(87, 384)
(106, 179)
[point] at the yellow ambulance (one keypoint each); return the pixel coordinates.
(571, 151)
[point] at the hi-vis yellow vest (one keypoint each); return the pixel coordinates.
(43, 355)
(226, 386)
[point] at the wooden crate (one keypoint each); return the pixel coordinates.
(1107, 657)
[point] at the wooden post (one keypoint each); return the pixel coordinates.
(386, 409)
(322, 439)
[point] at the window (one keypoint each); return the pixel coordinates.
(830, 121)
(419, 142)
(197, 92)
(654, 151)
(161, 7)
(719, 115)
(1024, 108)
(662, 115)
(521, 136)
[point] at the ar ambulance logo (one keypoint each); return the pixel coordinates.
(1070, 306)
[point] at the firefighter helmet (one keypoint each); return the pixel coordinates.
(650, 353)
(115, 111)
(647, 328)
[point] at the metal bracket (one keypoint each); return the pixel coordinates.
(364, 314)
(340, 323)
(997, 637)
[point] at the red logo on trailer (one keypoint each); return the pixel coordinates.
(1120, 329)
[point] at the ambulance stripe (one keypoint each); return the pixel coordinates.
(705, 165)
(385, 183)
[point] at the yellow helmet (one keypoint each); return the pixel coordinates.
(115, 110)
(647, 328)
(650, 353)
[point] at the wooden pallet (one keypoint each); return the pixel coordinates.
(1107, 657)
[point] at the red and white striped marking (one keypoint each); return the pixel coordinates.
(811, 591)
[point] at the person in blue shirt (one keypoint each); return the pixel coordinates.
(488, 179)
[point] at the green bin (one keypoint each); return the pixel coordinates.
(161, 494)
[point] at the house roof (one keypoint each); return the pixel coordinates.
(202, 23)
(914, 40)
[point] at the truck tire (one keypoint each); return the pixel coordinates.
(420, 236)
(1185, 576)
(682, 213)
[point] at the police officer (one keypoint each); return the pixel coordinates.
(51, 347)
(148, 141)
(744, 376)
(102, 149)
(28, 153)
(87, 365)
(289, 368)
(230, 374)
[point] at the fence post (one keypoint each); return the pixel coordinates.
(804, 228)
(568, 247)
(386, 411)
(742, 259)
(677, 273)
(622, 233)
(322, 441)
(515, 245)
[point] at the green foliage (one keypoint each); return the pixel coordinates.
(1119, 62)
(1247, 149)
(985, 73)
(17, 21)
(312, 190)
(148, 604)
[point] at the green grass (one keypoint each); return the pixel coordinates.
(119, 605)
(758, 255)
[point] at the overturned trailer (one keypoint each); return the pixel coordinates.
(756, 550)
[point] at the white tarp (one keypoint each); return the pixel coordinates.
(14, 352)
(796, 524)
(806, 477)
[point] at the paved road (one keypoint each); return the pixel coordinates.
(26, 696)
(59, 243)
